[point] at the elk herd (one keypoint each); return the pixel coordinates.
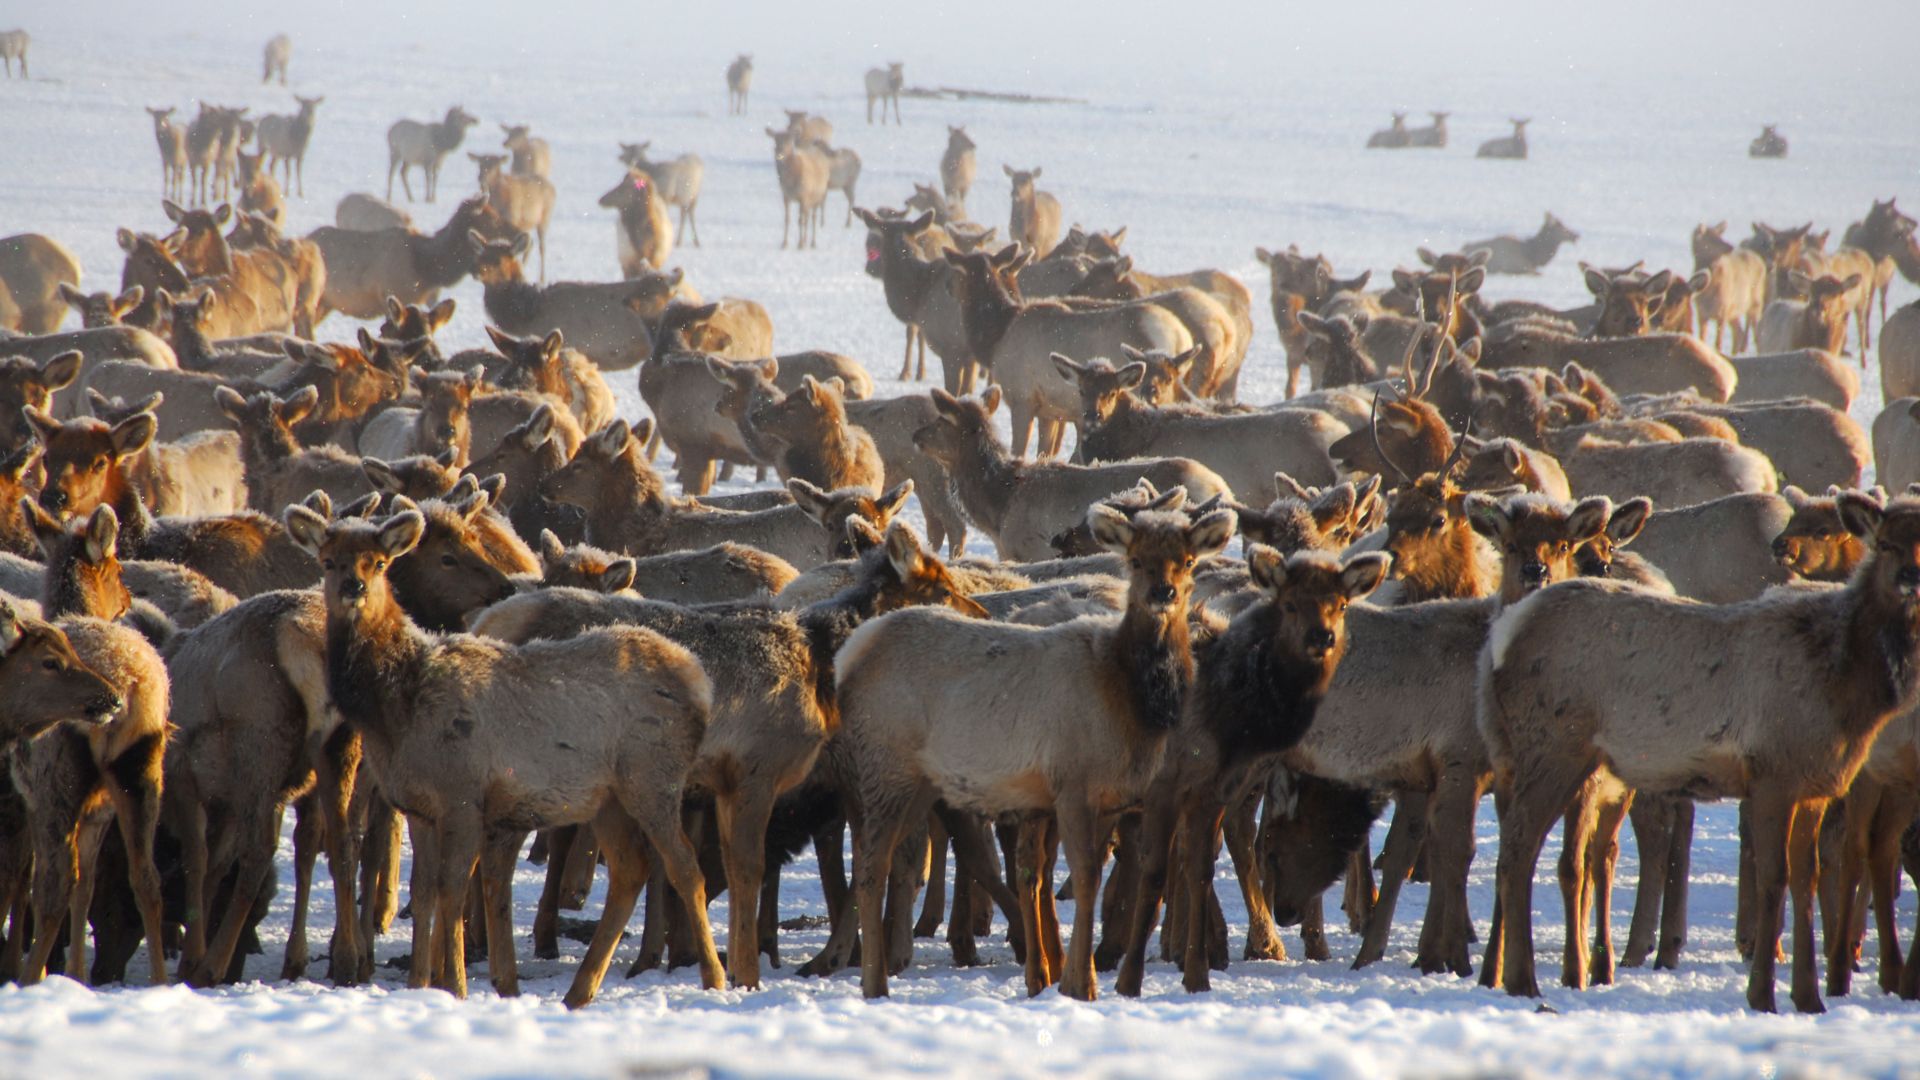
(1580, 559)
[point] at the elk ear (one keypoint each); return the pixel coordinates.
(1597, 282)
(223, 215)
(1488, 517)
(363, 507)
(611, 440)
(401, 533)
(1068, 367)
(1467, 355)
(1590, 517)
(103, 534)
(551, 346)
(299, 406)
(46, 528)
(862, 537)
(1699, 281)
(126, 240)
(1852, 283)
(173, 211)
(1286, 487)
(1008, 169)
(891, 500)
(1860, 513)
(1796, 498)
(502, 340)
(904, 551)
(1363, 573)
(1335, 506)
(537, 428)
(1132, 375)
(1110, 527)
(1211, 534)
(809, 498)
(134, 434)
(946, 403)
(74, 297)
(1628, 519)
(381, 475)
(307, 528)
(990, 399)
(1426, 256)
(59, 372)
(551, 549)
(618, 576)
(439, 315)
(1267, 569)
(11, 629)
(1511, 458)
(1312, 322)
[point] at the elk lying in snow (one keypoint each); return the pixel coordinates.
(913, 741)
(1022, 505)
(1035, 218)
(1016, 340)
(1802, 373)
(1671, 473)
(1512, 147)
(1433, 135)
(1560, 699)
(425, 144)
(957, 168)
(1393, 137)
(640, 702)
(1770, 144)
(676, 182)
(1243, 449)
(884, 85)
(524, 202)
(1513, 255)
(712, 575)
(71, 786)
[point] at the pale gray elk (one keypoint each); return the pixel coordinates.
(425, 144)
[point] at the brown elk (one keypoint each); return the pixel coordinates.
(172, 140)
(677, 182)
(1514, 255)
(957, 168)
(803, 171)
(1035, 218)
(524, 202)
(364, 268)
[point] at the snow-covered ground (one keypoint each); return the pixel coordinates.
(1231, 129)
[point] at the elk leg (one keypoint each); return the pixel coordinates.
(546, 918)
(1405, 837)
(903, 880)
(1263, 937)
(973, 856)
(1198, 842)
(743, 830)
(577, 869)
(423, 897)
(1803, 865)
(874, 841)
(1155, 837)
(1600, 866)
(1770, 818)
(770, 916)
(1744, 922)
(1673, 911)
(1883, 869)
(627, 871)
(190, 825)
(1575, 851)
(1449, 836)
(1116, 900)
(653, 929)
(1359, 896)
(1542, 790)
(1653, 840)
(906, 360)
(306, 849)
(459, 858)
(1857, 812)
(1084, 843)
(934, 910)
(660, 821)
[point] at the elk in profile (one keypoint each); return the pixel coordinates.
(1513, 255)
(1512, 147)
(364, 268)
(1035, 218)
(1736, 292)
(803, 171)
(284, 140)
(1392, 137)
(957, 168)
(739, 81)
(676, 181)
(1770, 144)
(884, 85)
(531, 154)
(172, 140)
(275, 58)
(1433, 135)
(425, 144)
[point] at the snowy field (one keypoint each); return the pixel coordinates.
(1233, 129)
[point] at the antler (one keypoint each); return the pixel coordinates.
(1373, 429)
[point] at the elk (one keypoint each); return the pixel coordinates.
(32, 267)
(1117, 426)
(255, 290)
(1818, 322)
(204, 137)
(1016, 340)
(1022, 505)
(200, 474)
(259, 192)
(1815, 543)
(884, 85)
(1770, 144)
(1499, 463)
(425, 144)
(1559, 701)
(275, 58)
(843, 175)
(721, 573)
(811, 439)
(1628, 302)
(643, 233)
(44, 683)
(1215, 370)
(1673, 474)
(1124, 679)
(99, 310)
(676, 181)
(644, 709)
(360, 212)
(803, 170)
(957, 168)
(531, 154)
(279, 470)
(1512, 147)
(1513, 255)
(524, 202)
(739, 81)
(1649, 364)
(918, 294)
(628, 510)
(364, 268)
(1736, 291)
(1802, 373)
(85, 461)
(596, 319)
(1900, 354)
(1392, 137)
(172, 140)
(72, 785)
(1035, 218)
(284, 139)
(547, 365)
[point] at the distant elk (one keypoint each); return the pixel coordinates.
(426, 144)
(278, 54)
(884, 85)
(526, 202)
(1433, 135)
(1770, 144)
(531, 154)
(209, 136)
(1513, 255)
(1513, 147)
(676, 182)
(1391, 137)
(1035, 218)
(172, 139)
(284, 140)
(739, 80)
(803, 170)
(13, 46)
(956, 169)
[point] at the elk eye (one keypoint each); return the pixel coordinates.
(50, 665)
(379, 564)
(1136, 562)
(1513, 549)
(99, 463)
(1190, 562)
(327, 565)
(1290, 608)
(1437, 522)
